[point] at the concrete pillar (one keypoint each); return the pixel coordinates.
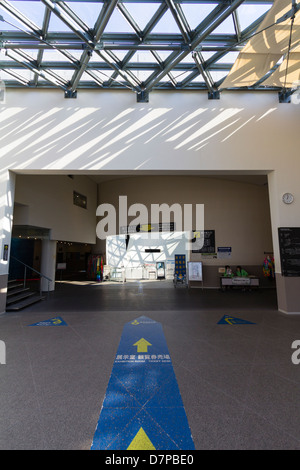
(48, 262)
(7, 193)
(281, 181)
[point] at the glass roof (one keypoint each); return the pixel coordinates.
(125, 44)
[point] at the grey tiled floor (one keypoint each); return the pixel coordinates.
(239, 386)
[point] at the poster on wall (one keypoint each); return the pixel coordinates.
(203, 241)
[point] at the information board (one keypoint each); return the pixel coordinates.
(289, 246)
(195, 270)
(203, 241)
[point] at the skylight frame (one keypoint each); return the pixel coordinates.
(100, 52)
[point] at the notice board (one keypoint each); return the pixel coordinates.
(195, 270)
(203, 241)
(289, 246)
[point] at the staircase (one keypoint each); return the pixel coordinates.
(19, 297)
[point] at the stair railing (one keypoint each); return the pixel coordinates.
(32, 269)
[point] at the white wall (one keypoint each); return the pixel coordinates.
(175, 132)
(109, 131)
(47, 201)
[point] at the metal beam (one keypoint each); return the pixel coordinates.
(179, 21)
(206, 76)
(46, 21)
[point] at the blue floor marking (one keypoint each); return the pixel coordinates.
(228, 320)
(142, 408)
(57, 321)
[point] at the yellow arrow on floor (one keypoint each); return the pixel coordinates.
(142, 345)
(141, 442)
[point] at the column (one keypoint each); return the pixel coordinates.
(7, 193)
(48, 261)
(281, 181)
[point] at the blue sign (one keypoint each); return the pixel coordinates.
(57, 321)
(142, 408)
(228, 320)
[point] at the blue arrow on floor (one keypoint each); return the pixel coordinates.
(142, 408)
(57, 321)
(228, 320)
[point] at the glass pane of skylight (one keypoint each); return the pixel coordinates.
(64, 74)
(143, 56)
(142, 75)
(6, 76)
(4, 57)
(104, 74)
(118, 24)
(249, 13)
(87, 11)
(188, 59)
(195, 14)
(7, 17)
(228, 58)
(24, 73)
(11, 22)
(163, 55)
(166, 24)
(56, 24)
(207, 54)
(217, 75)
(32, 53)
(34, 11)
(142, 12)
(226, 27)
(179, 75)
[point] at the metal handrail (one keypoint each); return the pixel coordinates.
(32, 269)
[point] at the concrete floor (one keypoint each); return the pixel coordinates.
(238, 384)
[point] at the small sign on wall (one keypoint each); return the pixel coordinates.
(224, 251)
(61, 265)
(5, 253)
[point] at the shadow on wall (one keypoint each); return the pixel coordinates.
(86, 137)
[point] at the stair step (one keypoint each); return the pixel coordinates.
(24, 303)
(11, 285)
(15, 298)
(10, 293)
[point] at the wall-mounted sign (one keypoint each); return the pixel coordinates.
(224, 251)
(289, 246)
(61, 265)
